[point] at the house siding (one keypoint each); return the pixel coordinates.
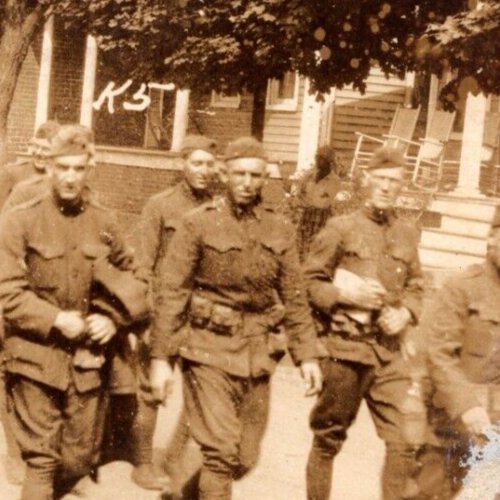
(282, 131)
(370, 113)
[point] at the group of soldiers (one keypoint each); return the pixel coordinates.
(212, 284)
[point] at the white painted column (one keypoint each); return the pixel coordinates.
(432, 104)
(43, 93)
(181, 118)
(326, 118)
(309, 130)
(472, 143)
(88, 85)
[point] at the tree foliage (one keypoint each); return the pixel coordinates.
(233, 45)
(468, 45)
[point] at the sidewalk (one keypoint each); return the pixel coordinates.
(280, 472)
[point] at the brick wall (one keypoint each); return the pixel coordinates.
(21, 122)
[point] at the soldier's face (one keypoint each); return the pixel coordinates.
(199, 169)
(69, 176)
(39, 149)
(383, 186)
(245, 178)
(493, 247)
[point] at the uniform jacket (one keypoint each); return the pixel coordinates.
(461, 329)
(47, 255)
(369, 245)
(159, 220)
(26, 190)
(245, 261)
(12, 174)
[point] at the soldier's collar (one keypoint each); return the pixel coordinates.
(72, 209)
(379, 216)
(253, 210)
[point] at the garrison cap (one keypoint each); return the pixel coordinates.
(46, 131)
(74, 139)
(245, 147)
(386, 157)
(194, 142)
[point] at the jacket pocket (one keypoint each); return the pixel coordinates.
(44, 262)
(483, 320)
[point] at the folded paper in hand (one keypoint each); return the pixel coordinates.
(345, 279)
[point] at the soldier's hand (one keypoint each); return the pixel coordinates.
(70, 323)
(100, 328)
(366, 294)
(393, 320)
(311, 373)
(476, 420)
(160, 378)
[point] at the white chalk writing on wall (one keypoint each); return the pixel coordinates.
(110, 92)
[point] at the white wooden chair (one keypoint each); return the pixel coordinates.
(428, 161)
(401, 131)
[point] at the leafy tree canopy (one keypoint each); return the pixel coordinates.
(468, 44)
(234, 45)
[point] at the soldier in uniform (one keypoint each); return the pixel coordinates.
(364, 282)
(39, 145)
(230, 278)
(160, 218)
(48, 249)
(461, 336)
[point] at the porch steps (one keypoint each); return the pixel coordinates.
(460, 239)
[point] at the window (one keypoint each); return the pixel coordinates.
(283, 94)
(130, 113)
(221, 100)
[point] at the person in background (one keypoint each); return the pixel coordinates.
(230, 282)
(160, 219)
(365, 286)
(38, 148)
(320, 193)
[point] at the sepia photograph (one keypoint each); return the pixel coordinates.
(250, 249)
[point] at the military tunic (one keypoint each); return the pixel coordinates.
(47, 253)
(382, 248)
(364, 363)
(462, 334)
(246, 262)
(460, 331)
(160, 218)
(242, 264)
(13, 173)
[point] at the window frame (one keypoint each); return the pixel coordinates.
(275, 103)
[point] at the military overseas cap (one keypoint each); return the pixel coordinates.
(74, 139)
(46, 131)
(245, 147)
(386, 157)
(194, 142)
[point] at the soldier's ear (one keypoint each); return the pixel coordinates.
(364, 177)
